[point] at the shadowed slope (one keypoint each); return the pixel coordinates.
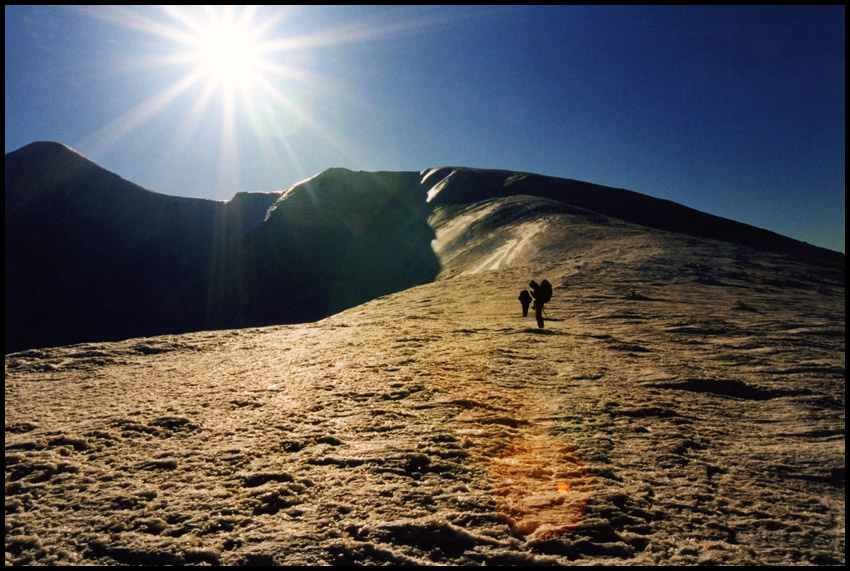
(338, 240)
(89, 255)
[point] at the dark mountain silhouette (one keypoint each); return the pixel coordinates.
(90, 256)
(335, 241)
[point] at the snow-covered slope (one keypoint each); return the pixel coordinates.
(684, 404)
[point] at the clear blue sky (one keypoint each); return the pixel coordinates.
(736, 111)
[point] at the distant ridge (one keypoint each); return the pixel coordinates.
(464, 185)
(90, 256)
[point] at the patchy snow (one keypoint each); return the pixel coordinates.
(684, 405)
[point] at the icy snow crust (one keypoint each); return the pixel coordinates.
(683, 405)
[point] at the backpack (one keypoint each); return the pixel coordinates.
(545, 291)
(542, 292)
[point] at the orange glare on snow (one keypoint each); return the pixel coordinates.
(541, 486)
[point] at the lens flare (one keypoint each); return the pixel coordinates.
(540, 484)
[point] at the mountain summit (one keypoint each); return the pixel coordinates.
(91, 256)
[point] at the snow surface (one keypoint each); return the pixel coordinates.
(684, 405)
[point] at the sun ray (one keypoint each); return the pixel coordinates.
(132, 119)
(236, 66)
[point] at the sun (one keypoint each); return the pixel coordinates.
(228, 77)
(237, 79)
(227, 50)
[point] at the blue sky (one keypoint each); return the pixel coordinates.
(736, 111)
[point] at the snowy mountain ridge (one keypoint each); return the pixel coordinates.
(91, 256)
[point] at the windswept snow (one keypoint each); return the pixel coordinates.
(513, 250)
(684, 405)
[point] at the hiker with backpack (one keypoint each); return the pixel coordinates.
(525, 300)
(542, 293)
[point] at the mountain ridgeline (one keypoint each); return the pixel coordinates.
(90, 256)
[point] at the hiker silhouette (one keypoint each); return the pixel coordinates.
(525, 300)
(542, 293)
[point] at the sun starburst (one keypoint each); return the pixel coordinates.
(239, 77)
(226, 47)
(232, 63)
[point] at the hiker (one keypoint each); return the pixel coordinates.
(542, 293)
(525, 300)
